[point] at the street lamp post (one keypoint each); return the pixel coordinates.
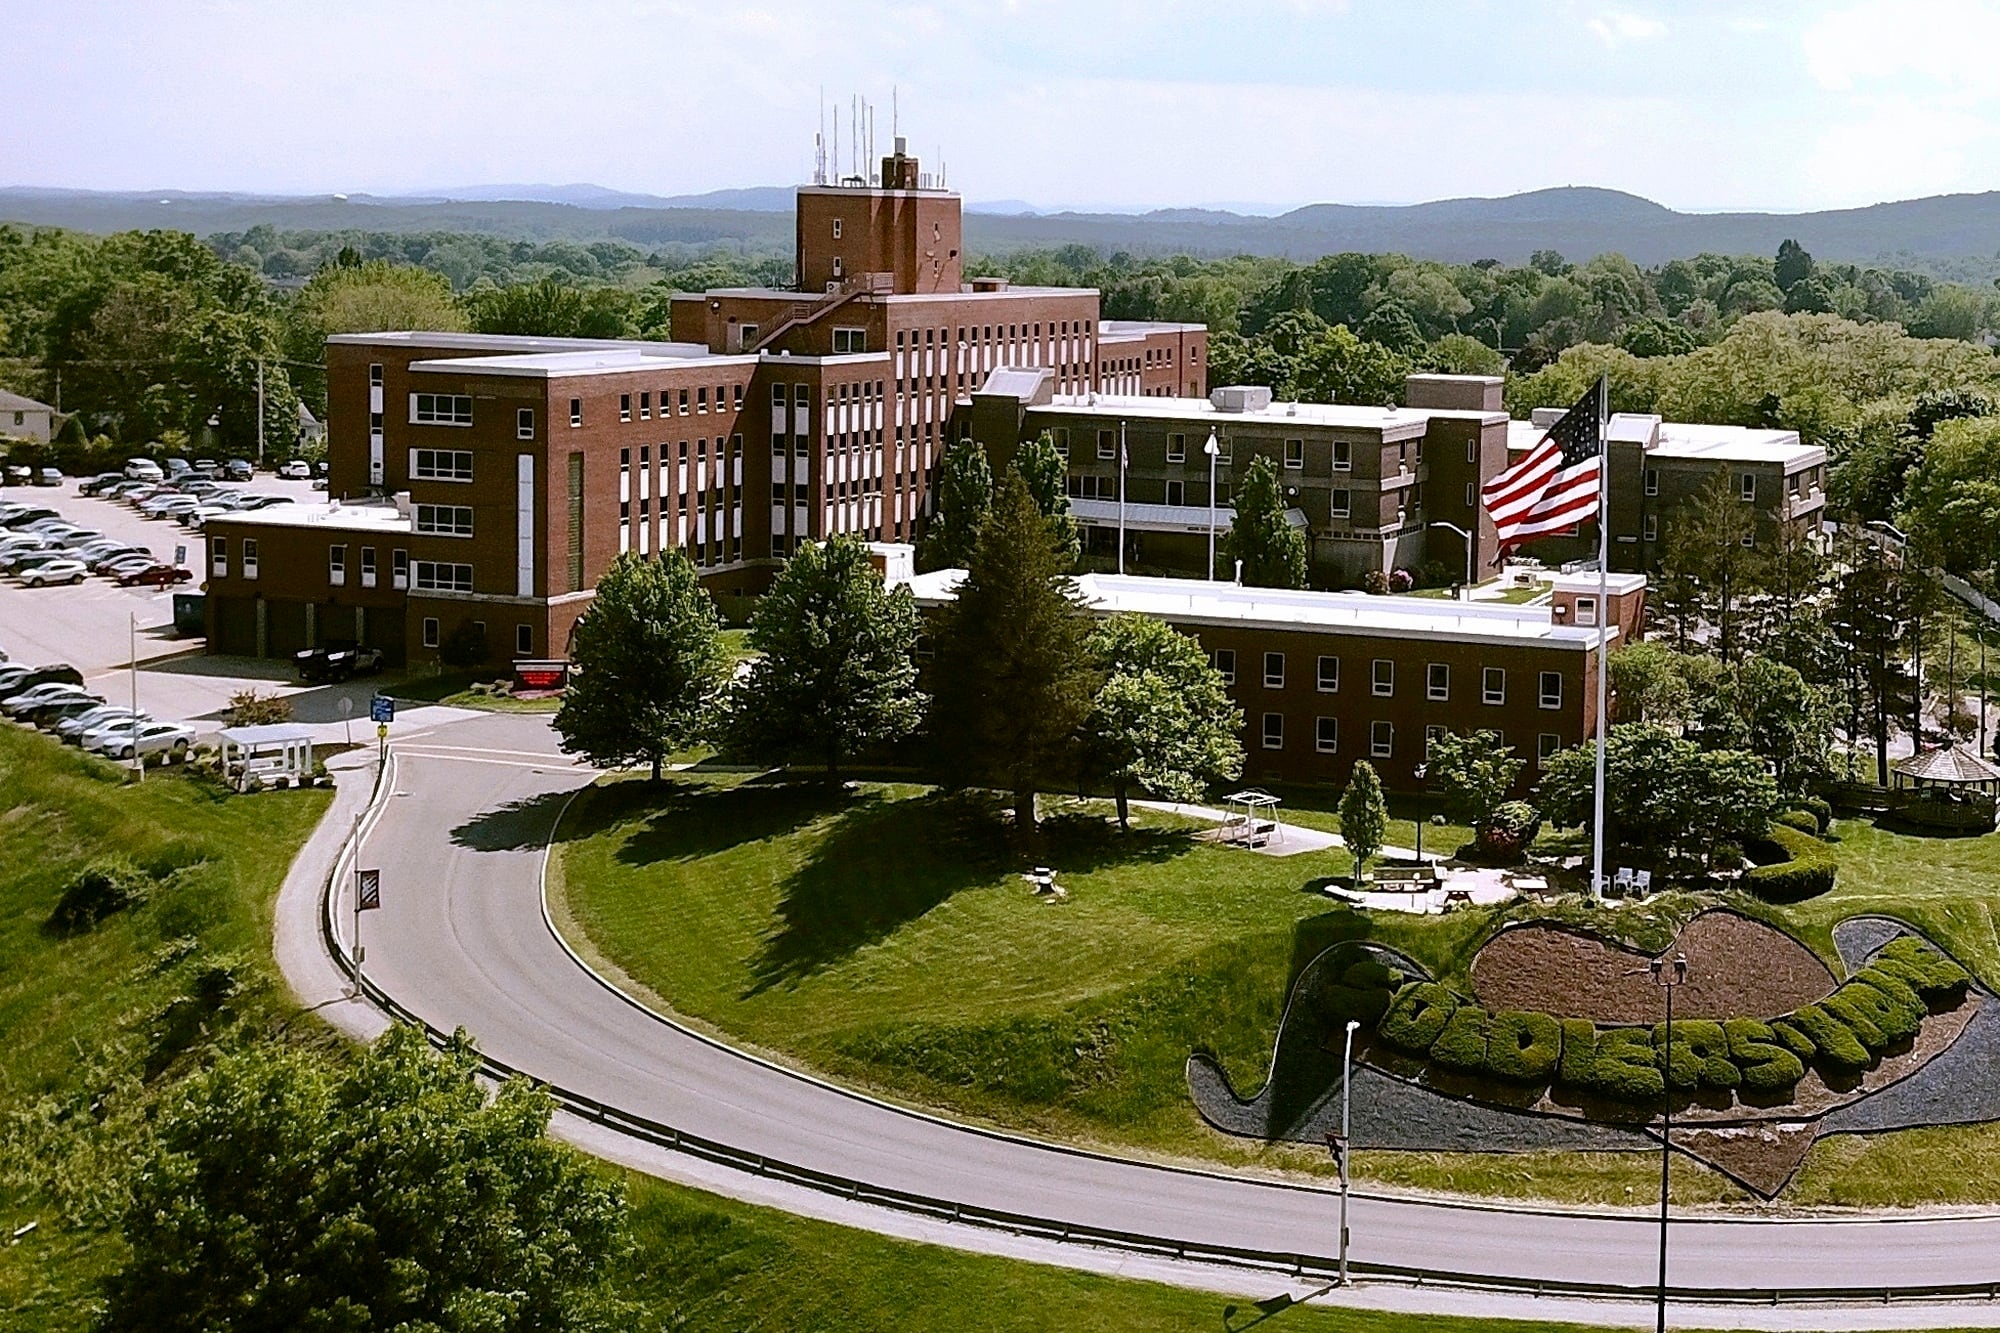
(1440, 523)
(1418, 773)
(1902, 540)
(1214, 452)
(1346, 1080)
(1666, 975)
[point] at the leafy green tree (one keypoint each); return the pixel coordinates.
(1793, 265)
(283, 1190)
(1012, 679)
(1364, 816)
(1873, 614)
(835, 676)
(552, 308)
(964, 498)
(1163, 720)
(649, 664)
(1335, 366)
(1952, 500)
(1475, 771)
(1769, 709)
(367, 297)
(1041, 467)
(1705, 543)
(1648, 685)
(1273, 552)
(1462, 354)
(1663, 794)
(1391, 325)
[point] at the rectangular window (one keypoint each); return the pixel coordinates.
(1471, 494)
(1493, 685)
(430, 632)
(1586, 611)
(1343, 456)
(576, 411)
(1437, 681)
(1546, 745)
(1342, 502)
(1061, 435)
(1329, 675)
(524, 640)
(1326, 734)
(624, 407)
(646, 406)
(336, 565)
(1381, 739)
(1177, 448)
(445, 520)
(399, 569)
(846, 341)
(1274, 731)
(1432, 735)
(1176, 492)
(736, 396)
(439, 576)
(524, 423)
(1748, 485)
(249, 557)
(441, 409)
(1383, 677)
(1107, 444)
(684, 401)
(1295, 453)
(836, 229)
(700, 398)
(1274, 671)
(218, 557)
(1224, 661)
(441, 464)
(367, 566)
(375, 377)
(1651, 528)
(1652, 481)
(1472, 451)
(1552, 689)
(747, 340)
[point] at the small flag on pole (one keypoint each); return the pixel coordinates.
(367, 890)
(1556, 486)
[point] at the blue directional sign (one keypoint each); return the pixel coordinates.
(382, 708)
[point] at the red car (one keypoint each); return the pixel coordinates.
(159, 576)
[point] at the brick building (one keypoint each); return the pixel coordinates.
(487, 481)
(1324, 679)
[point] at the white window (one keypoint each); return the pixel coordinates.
(1274, 731)
(524, 423)
(441, 464)
(1061, 435)
(430, 632)
(1552, 689)
(1652, 527)
(445, 520)
(1471, 494)
(624, 407)
(1748, 487)
(375, 376)
(336, 565)
(1432, 735)
(1107, 444)
(1329, 675)
(367, 566)
(1224, 661)
(1493, 685)
(1472, 451)
(1326, 734)
(1383, 677)
(1586, 610)
(437, 576)
(399, 569)
(836, 229)
(1437, 681)
(1343, 502)
(441, 409)
(576, 411)
(249, 557)
(1176, 492)
(1381, 739)
(1295, 454)
(1274, 671)
(1343, 456)
(849, 340)
(1177, 448)
(1652, 481)
(1547, 744)
(218, 557)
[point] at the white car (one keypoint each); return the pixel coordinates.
(20, 703)
(143, 469)
(55, 571)
(121, 740)
(296, 470)
(74, 729)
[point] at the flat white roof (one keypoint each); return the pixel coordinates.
(617, 359)
(1393, 423)
(1194, 601)
(1120, 328)
(1721, 444)
(373, 516)
(1165, 518)
(491, 342)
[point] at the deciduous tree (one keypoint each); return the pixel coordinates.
(1364, 816)
(964, 498)
(1663, 794)
(1474, 772)
(1163, 720)
(1273, 552)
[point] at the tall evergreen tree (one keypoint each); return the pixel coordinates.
(965, 498)
(1163, 720)
(1364, 816)
(1704, 550)
(835, 676)
(1273, 552)
(1012, 681)
(649, 664)
(1045, 471)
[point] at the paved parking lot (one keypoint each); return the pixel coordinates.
(96, 625)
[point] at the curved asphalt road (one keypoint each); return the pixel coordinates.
(461, 941)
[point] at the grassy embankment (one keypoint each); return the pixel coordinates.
(90, 1018)
(888, 940)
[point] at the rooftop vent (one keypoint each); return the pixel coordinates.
(1240, 398)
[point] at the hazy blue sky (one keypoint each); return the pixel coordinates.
(1697, 103)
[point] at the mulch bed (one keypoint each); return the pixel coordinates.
(1736, 968)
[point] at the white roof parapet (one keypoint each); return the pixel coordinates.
(375, 516)
(1163, 518)
(1394, 423)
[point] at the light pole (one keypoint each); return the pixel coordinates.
(1214, 452)
(1418, 773)
(132, 652)
(1346, 1080)
(1440, 523)
(1902, 540)
(1666, 976)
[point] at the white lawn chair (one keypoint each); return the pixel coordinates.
(1643, 881)
(1622, 881)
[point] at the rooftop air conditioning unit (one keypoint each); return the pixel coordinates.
(1241, 398)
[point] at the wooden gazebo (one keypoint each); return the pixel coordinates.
(1946, 788)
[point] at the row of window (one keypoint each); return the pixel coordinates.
(1381, 737)
(524, 635)
(726, 395)
(1382, 678)
(431, 575)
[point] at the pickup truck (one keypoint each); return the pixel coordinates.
(335, 662)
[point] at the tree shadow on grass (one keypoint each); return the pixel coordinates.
(688, 821)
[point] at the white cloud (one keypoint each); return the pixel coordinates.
(1934, 45)
(1615, 29)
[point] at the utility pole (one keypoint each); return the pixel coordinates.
(260, 411)
(132, 652)
(1666, 976)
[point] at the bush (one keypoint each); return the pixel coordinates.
(1578, 1066)
(1862, 1006)
(464, 647)
(1929, 972)
(94, 894)
(1802, 820)
(1523, 1047)
(1806, 874)
(1699, 1056)
(1462, 1044)
(1766, 1065)
(1821, 810)
(1624, 1068)
(1834, 1043)
(1362, 991)
(1417, 1016)
(248, 708)
(1508, 832)
(1375, 582)
(1401, 580)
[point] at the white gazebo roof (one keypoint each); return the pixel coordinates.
(273, 733)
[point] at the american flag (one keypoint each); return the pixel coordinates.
(1556, 485)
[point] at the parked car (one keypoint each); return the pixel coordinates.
(28, 696)
(74, 727)
(266, 501)
(122, 739)
(296, 470)
(239, 469)
(76, 541)
(14, 677)
(178, 467)
(48, 476)
(17, 562)
(166, 506)
(64, 570)
(16, 512)
(18, 474)
(143, 469)
(112, 560)
(100, 483)
(47, 715)
(155, 576)
(335, 662)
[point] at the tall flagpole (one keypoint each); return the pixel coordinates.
(1121, 497)
(1603, 627)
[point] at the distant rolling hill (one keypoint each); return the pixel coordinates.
(1577, 221)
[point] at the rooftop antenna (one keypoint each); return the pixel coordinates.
(819, 142)
(895, 115)
(854, 134)
(836, 140)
